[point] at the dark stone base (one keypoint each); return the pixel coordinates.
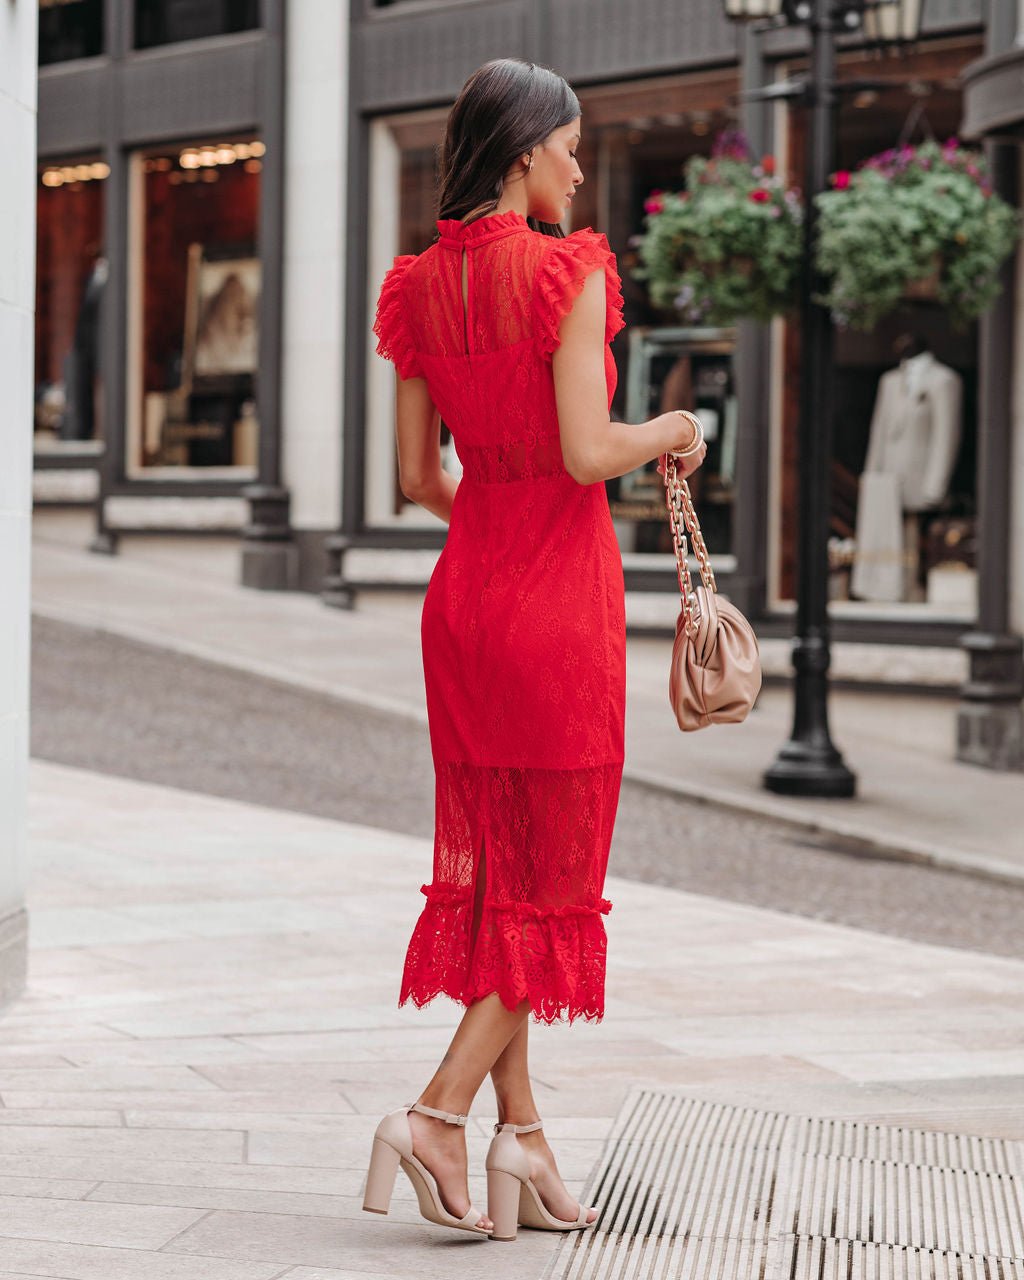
(104, 543)
(270, 566)
(335, 590)
(312, 549)
(991, 734)
(990, 719)
(300, 564)
(13, 956)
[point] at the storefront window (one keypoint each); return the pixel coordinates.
(69, 29)
(167, 21)
(194, 296)
(71, 270)
(903, 508)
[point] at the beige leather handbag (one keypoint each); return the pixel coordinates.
(716, 667)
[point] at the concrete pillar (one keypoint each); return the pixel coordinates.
(315, 119)
(18, 58)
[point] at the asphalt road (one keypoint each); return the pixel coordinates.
(103, 703)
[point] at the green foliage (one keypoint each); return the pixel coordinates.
(908, 215)
(728, 246)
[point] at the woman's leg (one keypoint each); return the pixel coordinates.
(513, 1092)
(485, 1030)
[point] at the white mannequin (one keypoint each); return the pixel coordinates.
(915, 437)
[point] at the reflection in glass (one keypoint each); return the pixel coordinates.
(71, 271)
(198, 291)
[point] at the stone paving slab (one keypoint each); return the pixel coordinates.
(224, 1131)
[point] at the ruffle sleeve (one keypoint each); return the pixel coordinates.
(395, 341)
(560, 279)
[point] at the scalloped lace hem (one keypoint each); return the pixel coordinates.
(555, 958)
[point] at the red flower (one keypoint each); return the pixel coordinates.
(654, 203)
(760, 195)
(768, 164)
(841, 180)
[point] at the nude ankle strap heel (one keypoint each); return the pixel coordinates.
(512, 1198)
(392, 1147)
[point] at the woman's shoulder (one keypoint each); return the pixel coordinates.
(584, 242)
(566, 264)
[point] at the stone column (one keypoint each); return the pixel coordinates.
(18, 57)
(315, 190)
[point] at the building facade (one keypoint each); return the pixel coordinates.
(189, 270)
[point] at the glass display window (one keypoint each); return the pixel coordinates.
(71, 271)
(194, 284)
(403, 219)
(69, 29)
(169, 21)
(681, 368)
(904, 420)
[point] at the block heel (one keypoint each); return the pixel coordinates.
(392, 1147)
(380, 1180)
(510, 1189)
(503, 1204)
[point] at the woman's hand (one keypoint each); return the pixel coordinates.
(688, 465)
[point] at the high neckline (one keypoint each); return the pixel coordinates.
(489, 226)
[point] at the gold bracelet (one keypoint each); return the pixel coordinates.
(698, 437)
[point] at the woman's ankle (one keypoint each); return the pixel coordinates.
(517, 1113)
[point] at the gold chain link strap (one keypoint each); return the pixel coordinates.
(681, 515)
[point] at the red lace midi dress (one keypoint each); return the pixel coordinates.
(523, 627)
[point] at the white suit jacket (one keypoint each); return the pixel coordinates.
(915, 437)
(916, 429)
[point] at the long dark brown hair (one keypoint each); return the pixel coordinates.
(504, 110)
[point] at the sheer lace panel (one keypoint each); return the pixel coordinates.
(541, 935)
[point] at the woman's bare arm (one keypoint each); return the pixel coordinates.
(593, 447)
(418, 432)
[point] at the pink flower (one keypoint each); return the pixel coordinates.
(654, 202)
(841, 180)
(759, 195)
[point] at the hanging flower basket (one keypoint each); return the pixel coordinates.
(913, 222)
(927, 287)
(728, 246)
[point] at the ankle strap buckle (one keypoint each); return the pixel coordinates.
(446, 1116)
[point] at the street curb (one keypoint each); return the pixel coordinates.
(884, 845)
(887, 845)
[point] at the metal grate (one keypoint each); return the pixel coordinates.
(693, 1190)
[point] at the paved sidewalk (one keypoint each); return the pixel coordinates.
(210, 1034)
(913, 799)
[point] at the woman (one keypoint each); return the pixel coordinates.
(502, 328)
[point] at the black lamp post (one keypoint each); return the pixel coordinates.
(809, 764)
